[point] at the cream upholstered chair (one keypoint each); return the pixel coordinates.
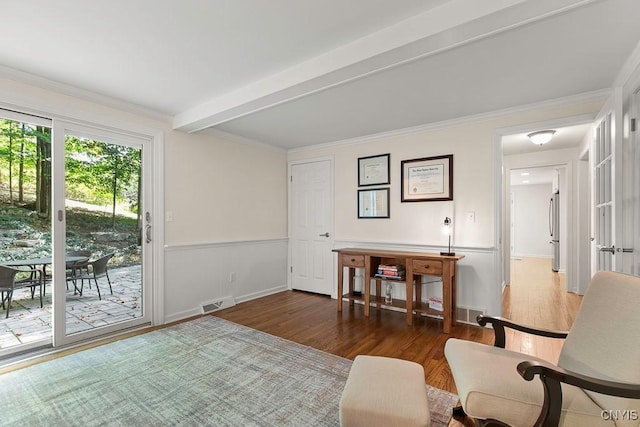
(596, 380)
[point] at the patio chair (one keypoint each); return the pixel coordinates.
(30, 278)
(93, 270)
(73, 267)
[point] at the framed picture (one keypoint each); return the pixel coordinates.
(427, 180)
(373, 170)
(373, 203)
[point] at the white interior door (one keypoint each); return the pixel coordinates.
(312, 227)
(607, 176)
(604, 195)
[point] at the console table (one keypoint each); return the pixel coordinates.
(415, 264)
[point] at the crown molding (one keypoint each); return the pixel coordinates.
(83, 94)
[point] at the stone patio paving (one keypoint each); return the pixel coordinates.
(28, 322)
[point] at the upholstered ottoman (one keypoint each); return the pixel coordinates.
(381, 391)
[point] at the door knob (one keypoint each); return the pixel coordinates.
(325, 234)
(612, 250)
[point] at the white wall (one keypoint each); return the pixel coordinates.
(228, 200)
(417, 226)
(220, 190)
(531, 220)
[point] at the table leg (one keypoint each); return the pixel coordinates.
(352, 274)
(367, 284)
(454, 294)
(446, 296)
(340, 284)
(409, 287)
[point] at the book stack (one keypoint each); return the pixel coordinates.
(435, 303)
(389, 271)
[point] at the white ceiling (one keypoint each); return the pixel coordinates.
(293, 74)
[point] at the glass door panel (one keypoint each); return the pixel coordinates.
(25, 232)
(103, 265)
(100, 253)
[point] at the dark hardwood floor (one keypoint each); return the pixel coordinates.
(536, 296)
(313, 320)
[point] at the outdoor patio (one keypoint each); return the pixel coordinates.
(28, 322)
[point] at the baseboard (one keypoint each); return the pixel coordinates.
(262, 293)
(197, 311)
(468, 315)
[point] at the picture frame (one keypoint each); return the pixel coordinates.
(373, 203)
(428, 179)
(374, 170)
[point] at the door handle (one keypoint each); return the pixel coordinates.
(148, 233)
(625, 250)
(325, 234)
(612, 250)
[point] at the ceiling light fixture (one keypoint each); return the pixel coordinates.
(541, 137)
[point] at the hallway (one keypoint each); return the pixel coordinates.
(537, 297)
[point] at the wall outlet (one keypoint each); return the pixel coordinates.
(232, 277)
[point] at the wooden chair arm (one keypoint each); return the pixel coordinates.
(553, 376)
(499, 323)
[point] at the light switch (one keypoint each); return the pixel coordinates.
(471, 217)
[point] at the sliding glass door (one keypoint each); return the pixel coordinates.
(25, 231)
(75, 220)
(102, 241)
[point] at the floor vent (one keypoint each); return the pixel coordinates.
(468, 315)
(211, 306)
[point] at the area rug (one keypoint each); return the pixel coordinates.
(203, 372)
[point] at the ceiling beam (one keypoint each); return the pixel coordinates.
(453, 24)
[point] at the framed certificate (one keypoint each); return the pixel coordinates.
(373, 203)
(428, 179)
(373, 170)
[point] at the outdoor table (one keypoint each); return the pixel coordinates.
(44, 262)
(34, 262)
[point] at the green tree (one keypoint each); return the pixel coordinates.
(110, 170)
(17, 146)
(43, 170)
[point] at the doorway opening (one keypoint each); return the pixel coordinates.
(562, 153)
(538, 223)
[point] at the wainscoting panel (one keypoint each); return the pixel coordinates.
(221, 271)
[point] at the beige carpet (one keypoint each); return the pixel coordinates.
(204, 372)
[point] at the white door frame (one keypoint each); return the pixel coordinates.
(54, 108)
(290, 164)
(503, 184)
(60, 130)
